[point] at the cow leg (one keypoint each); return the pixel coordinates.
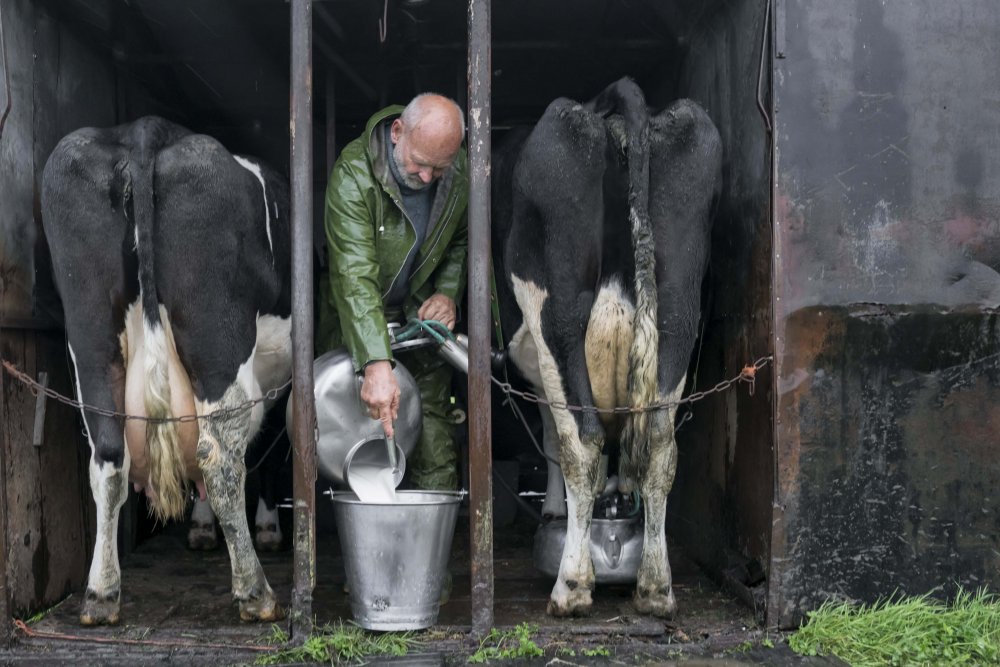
(201, 530)
(554, 506)
(102, 602)
(654, 590)
(685, 179)
(580, 441)
(571, 594)
(109, 466)
(524, 353)
(222, 443)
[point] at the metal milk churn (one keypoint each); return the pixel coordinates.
(348, 436)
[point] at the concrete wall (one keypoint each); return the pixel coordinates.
(887, 241)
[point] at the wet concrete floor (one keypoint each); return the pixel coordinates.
(177, 609)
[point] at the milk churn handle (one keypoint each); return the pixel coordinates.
(390, 446)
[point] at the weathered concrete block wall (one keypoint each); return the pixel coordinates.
(887, 242)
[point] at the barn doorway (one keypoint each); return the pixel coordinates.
(222, 68)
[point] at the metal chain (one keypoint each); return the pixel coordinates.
(748, 374)
(221, 413)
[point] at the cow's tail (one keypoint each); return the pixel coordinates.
(166, 468)
(625, 98)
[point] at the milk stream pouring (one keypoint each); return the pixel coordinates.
(373, 483)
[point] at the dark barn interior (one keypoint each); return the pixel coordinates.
(222, 68)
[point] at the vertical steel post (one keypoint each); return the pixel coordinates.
(304, 414)
(480, 461)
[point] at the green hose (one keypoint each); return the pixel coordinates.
(433, 328)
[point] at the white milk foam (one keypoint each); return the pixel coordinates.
(372, 483)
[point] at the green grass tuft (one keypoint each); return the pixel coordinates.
(45, 612)
(516, 643)
(338, 644)
(905, 631)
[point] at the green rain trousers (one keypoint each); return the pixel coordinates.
(433, 464)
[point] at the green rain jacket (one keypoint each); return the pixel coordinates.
(368, 237)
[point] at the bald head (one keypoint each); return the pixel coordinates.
(427, 137)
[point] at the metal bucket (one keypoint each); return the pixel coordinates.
(396, 556)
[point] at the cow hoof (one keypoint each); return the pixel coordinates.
(100, 610)
(263, 609)
(267, 538)
(656, 604)
(575, 602)
(202, 537)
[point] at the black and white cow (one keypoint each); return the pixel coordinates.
(172, 259)
(602, 218)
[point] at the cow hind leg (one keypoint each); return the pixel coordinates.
(571, 594)
(102, 601)
(654, 586)
(109, 467)
(221, 446)
(580, 443)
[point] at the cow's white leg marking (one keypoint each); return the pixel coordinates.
(109, 486)
(267, 531)
(572, 591)
(201, 531)
(254, 169)
(654, 589)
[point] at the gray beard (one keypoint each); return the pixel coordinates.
(409, 180)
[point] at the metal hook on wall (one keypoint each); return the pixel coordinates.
(383, 23)
(768, 124)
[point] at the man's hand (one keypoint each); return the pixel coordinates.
(380, 393)
(438, 307)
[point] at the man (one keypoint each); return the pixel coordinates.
(397, 238)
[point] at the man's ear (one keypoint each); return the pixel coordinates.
(396, 130)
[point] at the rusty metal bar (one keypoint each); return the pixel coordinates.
(304, 413)
(480, 461)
